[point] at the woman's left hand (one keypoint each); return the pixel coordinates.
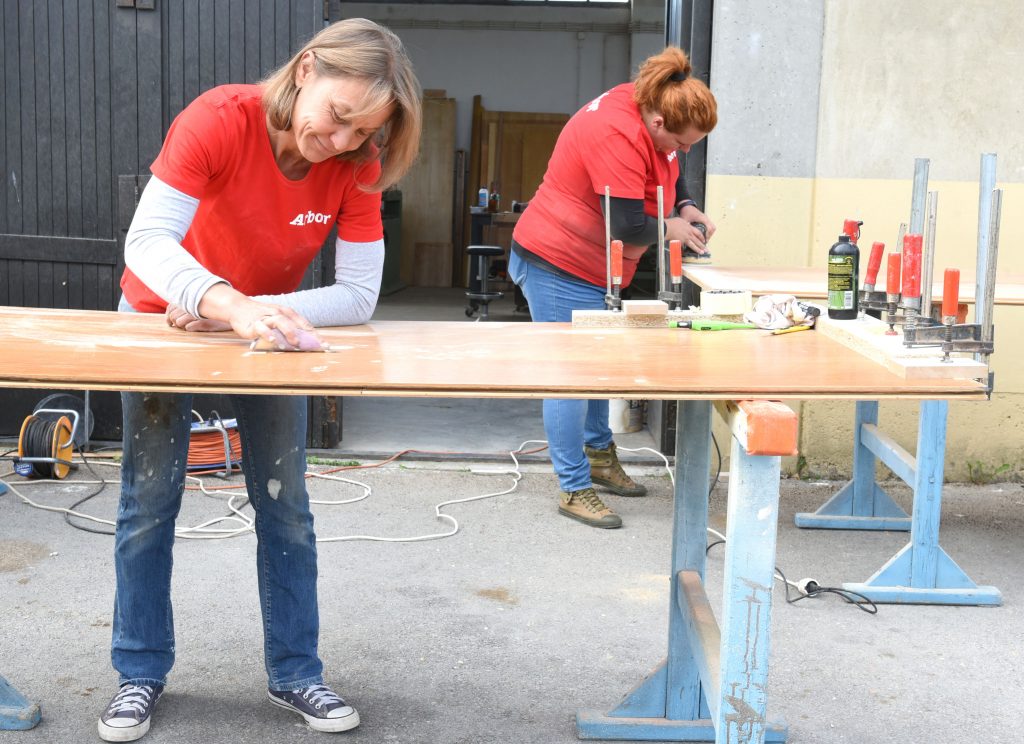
(178, 317)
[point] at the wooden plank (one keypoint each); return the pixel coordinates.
(236, 32)
(703, 633)
(111, 351)
(284, 40)
(150, 124)
(267, 57)
(868, 336)
(72, 120)
(32, 137)
(45, 136)
(106, 184)
(59, 283)
(809, 282)
(16, 283)
(11, 152)
(55, 197)
(58, 248)
(221, 51)
(124, 87)
(173, 88)
(762, 427)
(86, 164)
(76, 288)
(44, 286)
(91, 290)
(190, 57)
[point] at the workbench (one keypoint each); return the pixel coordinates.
(922, 572)
(713, 684)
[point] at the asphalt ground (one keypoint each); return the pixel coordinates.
(500, 632)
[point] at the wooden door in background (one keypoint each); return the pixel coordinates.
(427, 199)
(509, 153)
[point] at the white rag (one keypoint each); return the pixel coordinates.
(781, 311)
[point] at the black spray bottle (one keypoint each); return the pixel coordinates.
(844, 273)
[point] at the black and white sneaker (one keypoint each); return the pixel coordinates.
(319, 705)
(127, 716)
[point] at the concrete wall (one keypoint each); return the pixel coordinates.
(824, 108)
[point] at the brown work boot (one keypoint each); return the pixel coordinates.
(606, 471)
(586, 506)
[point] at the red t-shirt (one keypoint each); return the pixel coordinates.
(605, 143)
(254, 227)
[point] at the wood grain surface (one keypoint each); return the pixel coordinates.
(810, 283)
(125, 351)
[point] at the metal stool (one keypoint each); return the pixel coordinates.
(479, 295)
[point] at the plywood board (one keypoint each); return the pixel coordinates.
(810, 282)
(127, 351)
(869, 337)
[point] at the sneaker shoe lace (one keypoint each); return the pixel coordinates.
(131, 699)
(590, 499)
(320, 695)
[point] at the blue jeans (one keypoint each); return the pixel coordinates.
(156, 436)
(568, 423)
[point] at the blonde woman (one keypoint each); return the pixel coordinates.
(247, 186)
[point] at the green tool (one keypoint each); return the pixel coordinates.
(709, 325)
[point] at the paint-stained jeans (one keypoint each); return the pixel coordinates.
(568, 423)
(156, 436)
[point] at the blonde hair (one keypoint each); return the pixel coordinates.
(665, 84)
(360, 49)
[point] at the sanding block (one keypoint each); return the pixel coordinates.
(308, 341)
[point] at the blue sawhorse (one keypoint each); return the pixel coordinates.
(16, 713)
(712, 687)
(922, 572)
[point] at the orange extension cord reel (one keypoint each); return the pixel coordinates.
(45, 447)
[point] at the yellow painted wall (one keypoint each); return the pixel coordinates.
(793, 222)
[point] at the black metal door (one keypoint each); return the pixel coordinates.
(88, 92)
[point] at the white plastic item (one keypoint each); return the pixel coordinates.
(725, 301)
(625, 416)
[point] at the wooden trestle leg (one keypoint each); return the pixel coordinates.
(713, 685)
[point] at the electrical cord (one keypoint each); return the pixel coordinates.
(237, 501)
(809, 588)
(814, 590)
(68, 515)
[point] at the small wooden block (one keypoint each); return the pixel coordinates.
(763, 427)
(644, 307)
(611, 319)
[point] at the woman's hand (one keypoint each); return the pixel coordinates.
(279, 326)
(178, 317)
(690, 213)
(679, 228)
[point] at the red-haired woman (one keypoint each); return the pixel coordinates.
(627, 139)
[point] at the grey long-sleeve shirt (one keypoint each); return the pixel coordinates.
(154, 253)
